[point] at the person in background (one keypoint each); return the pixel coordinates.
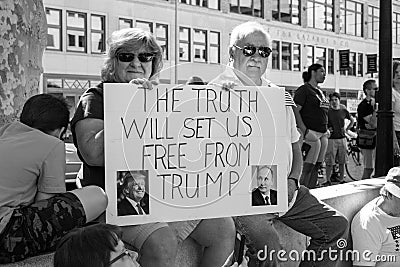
(35, 209)
(396, 112)
(134, 56)
(337, 144)
(312, 120)
(366, 119)
(375, 228)
(249, 50)
(195, 80)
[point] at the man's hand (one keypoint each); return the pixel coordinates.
(292, 187)
(228, 85)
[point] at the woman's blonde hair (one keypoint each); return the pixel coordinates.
(130, 39)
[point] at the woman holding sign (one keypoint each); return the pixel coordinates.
(135, 57)
(249, 51)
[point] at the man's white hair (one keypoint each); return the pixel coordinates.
(241, 31)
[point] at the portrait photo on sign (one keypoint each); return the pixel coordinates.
(264, 191)
(132, 192)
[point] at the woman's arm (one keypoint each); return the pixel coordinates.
(90, 140)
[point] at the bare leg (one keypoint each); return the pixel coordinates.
(218, 238)
(341, 172)
(93, 199)
(159, 249)
(328, 172)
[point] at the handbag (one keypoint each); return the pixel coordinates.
(366, 139)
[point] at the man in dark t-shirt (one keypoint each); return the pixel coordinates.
(366, 119)
(337, 144)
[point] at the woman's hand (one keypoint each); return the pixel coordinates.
(147, 84)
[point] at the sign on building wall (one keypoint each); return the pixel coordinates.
(189, 152)
(372, 63)
(344, 59)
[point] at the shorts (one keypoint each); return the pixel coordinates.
(369, 158)
(37, 228)
(136, 235)
(337, 150)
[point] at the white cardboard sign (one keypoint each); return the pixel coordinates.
(198, 147)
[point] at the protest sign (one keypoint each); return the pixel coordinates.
(196, 150)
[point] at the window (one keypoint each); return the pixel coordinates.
(214, 53)
(98, 34)
(331, 61)
(125, 23)
(310, 55)
(320, 14)
(214, 4)
(145, 25)
(396, 28)
(54, 29)
(275, 55)
(373, 22)
(360, 65)
(296, 57)
(286, 56)
(184, 44)
(286, 11)
(247, 7)
(76, 31)
(162, 38)
(351, 14)
(200, 45)
(320, 56)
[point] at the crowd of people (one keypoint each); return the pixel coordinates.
(37, 215)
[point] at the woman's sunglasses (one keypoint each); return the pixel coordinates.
(128, 57)
(250, 50)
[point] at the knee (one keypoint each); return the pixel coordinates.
(161, 245)
(340, 226)
(98, 195)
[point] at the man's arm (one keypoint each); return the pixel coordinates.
(295, 172)
(90, 140)
(352, 120)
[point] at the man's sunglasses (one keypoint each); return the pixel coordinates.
(250, 50)
(128, 57)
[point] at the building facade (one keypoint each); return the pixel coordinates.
(195, 37)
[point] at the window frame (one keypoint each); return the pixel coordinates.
(57, 27)
(102, 32)
(252, 8)
(72, 28)
(357, 12)
(291, 9)
(217, 45)
(312, 18)
(188, 42)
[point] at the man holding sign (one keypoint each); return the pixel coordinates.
(249, 50)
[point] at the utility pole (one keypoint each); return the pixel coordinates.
(384, 146)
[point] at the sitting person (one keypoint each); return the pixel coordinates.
(263, 194)
(35, 209)
(135, 201)
(375, 228)
(101, 245)
(97, 245)
(249, 50)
